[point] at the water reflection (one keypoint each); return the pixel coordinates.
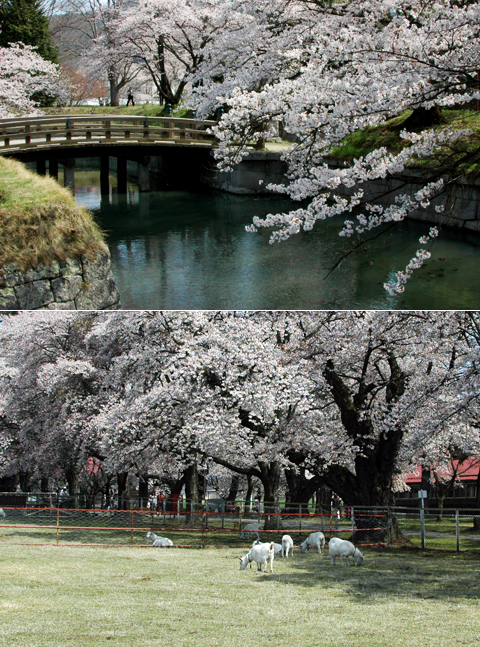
(179, 250)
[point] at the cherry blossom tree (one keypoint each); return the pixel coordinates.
(330, 70)
(24, 73)
(349, 400)
(166, 39)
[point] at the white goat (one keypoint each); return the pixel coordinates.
(260, 553)
(251, 529)
(2, 513)
(159, 541)
(287, 544)
(315, 540)
(277, 548)
(344, 549)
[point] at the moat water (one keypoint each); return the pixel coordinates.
(181, 250)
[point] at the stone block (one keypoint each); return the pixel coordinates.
(66, 288)
(10, 277)
(8, 299)
(34, 295)
(98, 295)
(70, 267)
(43, 272)
(97, 269)
(67, 305)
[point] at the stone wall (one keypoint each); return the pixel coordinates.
(252, 175)
(461, 201)
(77, 284)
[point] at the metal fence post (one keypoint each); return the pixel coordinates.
(58, 524)
(422, 526)
(457, 529)
(353, 523)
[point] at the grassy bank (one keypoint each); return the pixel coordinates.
(149, 110)
(39, 220)
(69, 597)
(365, 141)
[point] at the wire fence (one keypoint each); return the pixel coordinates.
(62, 526)
(452, 530)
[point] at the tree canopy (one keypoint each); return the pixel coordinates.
(350, 400)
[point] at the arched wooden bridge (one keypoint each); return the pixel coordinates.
(50, 140)
(48, 132)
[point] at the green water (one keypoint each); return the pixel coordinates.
(180, 250)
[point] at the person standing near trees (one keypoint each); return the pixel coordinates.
(130, 97)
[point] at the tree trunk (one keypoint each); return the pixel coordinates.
(191, 487)
(122, 490)
(232, 493)
(248, 495)
(24, 480)
(270, 478)
(44, 484)
(143, 490)
(422, 118)
(114, 90)
(300, 490)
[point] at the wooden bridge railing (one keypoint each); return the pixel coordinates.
(33, 132)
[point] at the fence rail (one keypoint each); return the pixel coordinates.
(45, 518)
(61, 526)
(37, 132)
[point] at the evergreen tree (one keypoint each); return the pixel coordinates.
(25, 21)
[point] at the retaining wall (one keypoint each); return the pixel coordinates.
(76, 284)
(461, 201)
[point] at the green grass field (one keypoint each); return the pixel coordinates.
(147, 597)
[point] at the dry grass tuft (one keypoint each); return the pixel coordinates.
(40, 222)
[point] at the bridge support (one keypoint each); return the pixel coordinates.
(41, 167)
(121, 175)
(104, 171)
(53, 168)
(69, 173)
(143, 175)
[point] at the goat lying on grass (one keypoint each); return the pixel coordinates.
(344, 549)
(260, 553)
(315, 540)
(159, 541)
(250, 530)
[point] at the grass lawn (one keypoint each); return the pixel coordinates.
(145, 597)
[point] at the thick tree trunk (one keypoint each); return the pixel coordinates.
(191, 488)
(300, 490)
(422, 118)
(372, 483)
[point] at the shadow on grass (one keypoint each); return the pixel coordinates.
(404, 573)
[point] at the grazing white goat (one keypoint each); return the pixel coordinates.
(159, 541)
(250, 530)
(315, 540)
(260, 553)
(277, 548)
(287, 544)
(344, 549)
(2, 513)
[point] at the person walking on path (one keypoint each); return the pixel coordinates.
(130, 97)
